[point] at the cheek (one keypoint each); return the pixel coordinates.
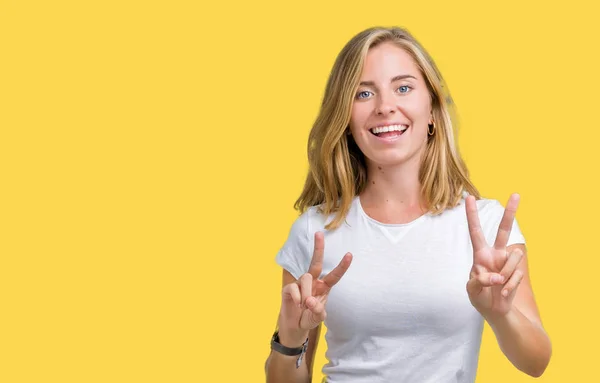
(422, 108)
(359, 115)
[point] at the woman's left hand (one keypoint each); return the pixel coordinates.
(494, 277)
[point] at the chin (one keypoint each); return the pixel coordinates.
(394, 157)
(390, 160)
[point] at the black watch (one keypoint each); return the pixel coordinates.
(276, 346)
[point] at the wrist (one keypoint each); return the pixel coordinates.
(501, 320)
(292, 338)
(276, 345)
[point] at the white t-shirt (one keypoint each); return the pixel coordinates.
(401, 312)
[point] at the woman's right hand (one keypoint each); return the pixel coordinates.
(303, 301)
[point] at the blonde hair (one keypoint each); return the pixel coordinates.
(337, 167)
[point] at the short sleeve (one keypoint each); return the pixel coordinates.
(490, 215)
(295, 255)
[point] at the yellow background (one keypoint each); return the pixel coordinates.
(151, 152)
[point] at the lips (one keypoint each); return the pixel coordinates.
(389, 130)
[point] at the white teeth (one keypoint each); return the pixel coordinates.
(390, 128)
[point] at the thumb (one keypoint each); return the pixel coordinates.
(481, 279)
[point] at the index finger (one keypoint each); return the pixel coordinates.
(506, 223)
(316, 263)
(477, 237)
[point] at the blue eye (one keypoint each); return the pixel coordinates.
(405, 87)
(359, 94)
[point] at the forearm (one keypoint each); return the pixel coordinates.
(524, 342)
(281, 368)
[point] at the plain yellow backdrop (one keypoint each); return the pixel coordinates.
(151, 152)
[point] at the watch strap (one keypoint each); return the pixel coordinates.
(290, 351)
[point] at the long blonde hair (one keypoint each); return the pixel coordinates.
(337, 167)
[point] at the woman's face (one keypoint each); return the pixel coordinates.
(391, 108)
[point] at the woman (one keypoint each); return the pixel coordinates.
(395, 250)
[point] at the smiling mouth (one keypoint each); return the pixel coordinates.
(389, 131)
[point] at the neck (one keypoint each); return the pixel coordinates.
(393, 187)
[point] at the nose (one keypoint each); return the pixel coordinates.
(385, 104)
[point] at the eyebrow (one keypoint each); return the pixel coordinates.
(399, 77)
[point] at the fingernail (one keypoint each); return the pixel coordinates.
(310, 301)
(504, 292)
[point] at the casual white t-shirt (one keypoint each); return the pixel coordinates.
(401, 312)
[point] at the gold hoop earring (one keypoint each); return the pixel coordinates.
(431, 129)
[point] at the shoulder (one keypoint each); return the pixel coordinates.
(491, 213)
(485, 206)
(309, 221)
(296, 253)
(312, 220)
(305, 226)
(488, 210)
(489, 207)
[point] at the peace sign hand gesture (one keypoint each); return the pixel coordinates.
(494, 277)
(303, 301)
